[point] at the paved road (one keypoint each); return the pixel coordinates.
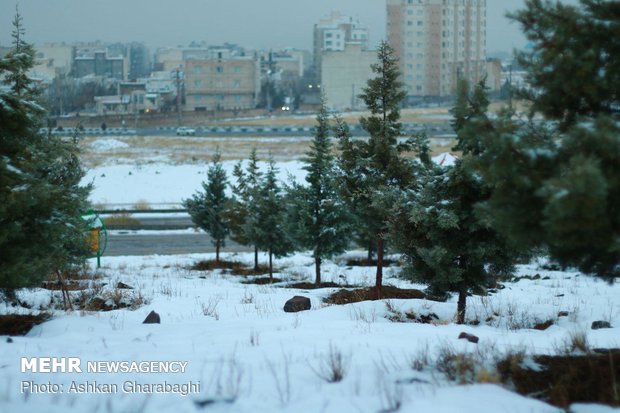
(162, 234)
(160, 243)
(432, 129)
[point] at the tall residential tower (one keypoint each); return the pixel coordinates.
(437, 43)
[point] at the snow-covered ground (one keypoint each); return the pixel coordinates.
(162, 184)
(158, 182)
(247, 355)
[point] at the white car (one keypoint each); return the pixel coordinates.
(183, 131)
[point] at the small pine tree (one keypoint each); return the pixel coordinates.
(41, 229)
(375, 171)
(208, 209)
(243, 214)
(444, 239)
(321, 217)
(272, 235)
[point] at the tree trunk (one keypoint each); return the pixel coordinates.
(217, 252)
(9, 295)
(255, 258)
(379, 279)
(270, 265)
(460, 309)
(317, 268)
(66, 298)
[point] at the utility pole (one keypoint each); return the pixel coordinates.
(178, 81)
(269, 74)
(510, 87)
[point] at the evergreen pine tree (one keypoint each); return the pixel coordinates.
(321, 217)
(573, 67)
(41, 229)
(352, 188)
(208, 209)
(378, 167)
(559, 187)
(445, 240)
(272, 230)
(243, 214)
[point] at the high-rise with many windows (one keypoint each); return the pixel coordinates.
(437, 43)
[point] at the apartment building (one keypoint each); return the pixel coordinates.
(222, 81)
(99, 63)
(333, 33)
(345, 75)
(51, 60)
(437, 43)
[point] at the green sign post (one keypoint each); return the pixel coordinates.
(97, 236)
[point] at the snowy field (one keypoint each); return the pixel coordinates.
(243, 353)
(158, 180)
(247, 355)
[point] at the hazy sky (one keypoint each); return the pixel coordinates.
(250, 23)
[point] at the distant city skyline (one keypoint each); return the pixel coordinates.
(252, 24)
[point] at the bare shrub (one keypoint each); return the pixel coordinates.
(460, 367)
(333, 368)
(209, 308)
(282, 379)
(576, 342)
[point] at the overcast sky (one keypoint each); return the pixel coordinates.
(249, 23)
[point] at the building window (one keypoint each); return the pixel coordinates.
(237, 69)
(236, 84)
(197, 83)
(220, 98)
(219, 69)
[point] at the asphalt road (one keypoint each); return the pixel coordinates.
(161, 234)
(160, 243)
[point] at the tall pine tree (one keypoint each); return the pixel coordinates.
(555, 182)
(375, 171)
(321, 217)
(41, 229)
(208, 209)
(572, 68)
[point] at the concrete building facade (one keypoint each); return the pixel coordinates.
(345, 74)
(222, 82)
(437, 43)
(100, 64)
(333, 33)
(52, 60)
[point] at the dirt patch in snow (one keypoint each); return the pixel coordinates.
(20, 324)
(262, 281)
(370, 294)
(312, 286)
(563, 380)
(365, 262)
